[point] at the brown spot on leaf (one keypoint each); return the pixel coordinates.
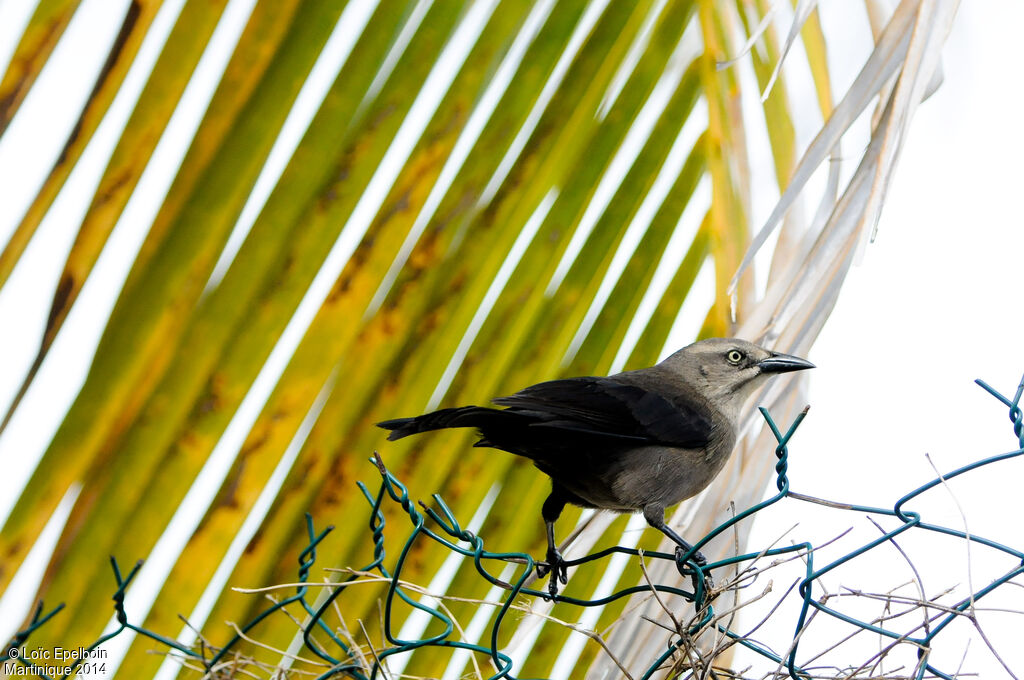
(127, 26)
(60, 299)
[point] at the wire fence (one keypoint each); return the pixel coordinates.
(697, 643)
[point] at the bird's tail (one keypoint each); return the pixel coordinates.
(464, 416)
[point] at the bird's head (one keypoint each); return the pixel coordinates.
(727, 371)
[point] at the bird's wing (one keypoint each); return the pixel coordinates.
(605, 407)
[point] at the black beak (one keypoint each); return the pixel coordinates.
(783, 363)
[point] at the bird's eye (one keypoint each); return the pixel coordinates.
(734, 356)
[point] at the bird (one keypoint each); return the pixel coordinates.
(636, 441)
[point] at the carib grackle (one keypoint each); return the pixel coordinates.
(635, 441)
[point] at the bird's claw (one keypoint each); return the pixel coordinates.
(697, 556)
(698, 559)
(559, 570)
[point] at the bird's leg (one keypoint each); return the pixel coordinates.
(654, 514)
(550, 511)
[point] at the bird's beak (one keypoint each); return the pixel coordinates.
(783, 363)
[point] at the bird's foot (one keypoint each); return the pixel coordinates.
(697, 556)
(698, 575)
(558, 568)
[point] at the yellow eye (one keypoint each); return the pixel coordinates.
(734, 356)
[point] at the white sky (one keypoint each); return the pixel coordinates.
(934, 304)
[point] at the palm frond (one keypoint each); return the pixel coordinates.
(486, 194)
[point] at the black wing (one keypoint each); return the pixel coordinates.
(607, 408)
